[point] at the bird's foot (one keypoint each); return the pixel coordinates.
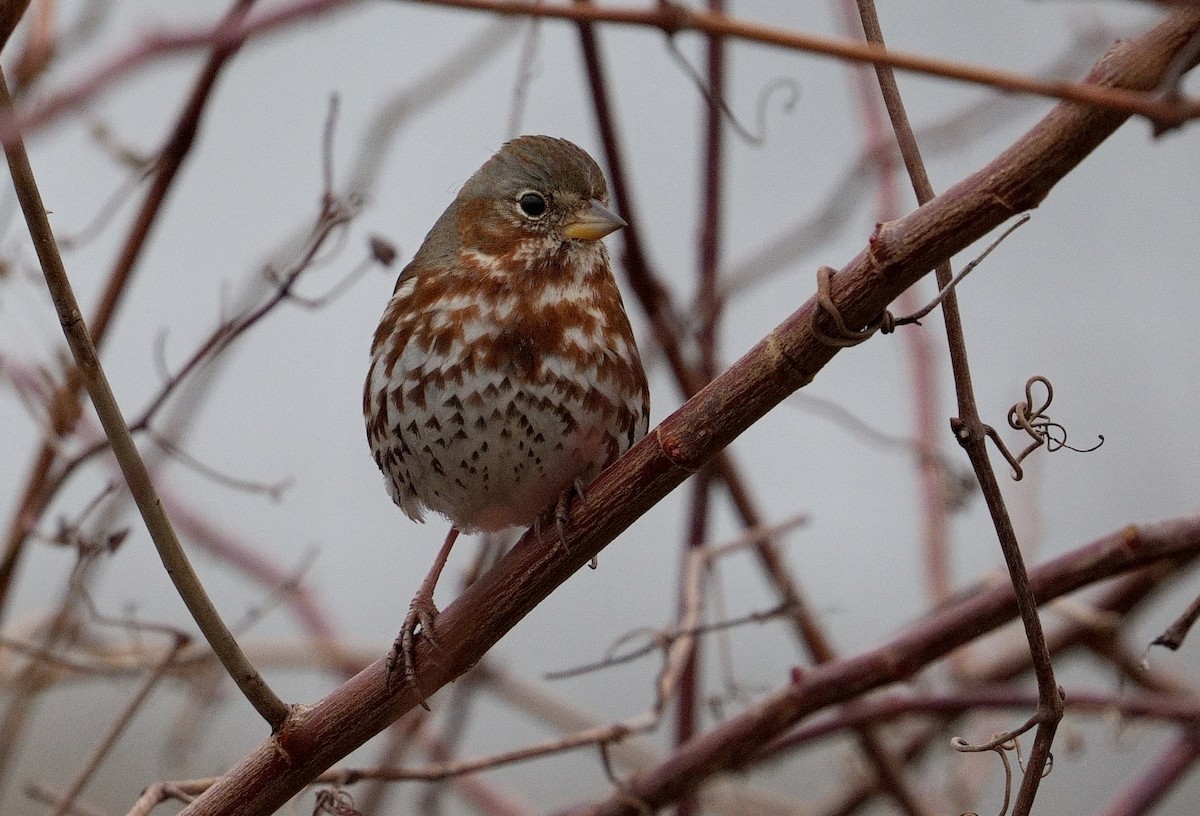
(562, 515)
(402, 659)
(421, 614)
(562, 509)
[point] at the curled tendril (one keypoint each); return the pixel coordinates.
(1049, 766)
(843, 336)
(1021, 759)
(1034, 421)
(786, 84)
(997, 741)
(624, 791)
(886, 322)
(790, 91)
(1001, 745)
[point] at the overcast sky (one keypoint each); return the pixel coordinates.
(1098, 292)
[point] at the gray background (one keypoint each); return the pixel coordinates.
(1098, 293)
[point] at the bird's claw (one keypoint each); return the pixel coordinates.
(403, 657)
(562, 511)
(562, 515)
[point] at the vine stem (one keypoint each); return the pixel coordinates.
(971, 433)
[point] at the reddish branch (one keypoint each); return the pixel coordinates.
(674, 19)
(736, 741)
(667, 17)
(899, 254)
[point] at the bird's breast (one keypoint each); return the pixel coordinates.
(485, 408)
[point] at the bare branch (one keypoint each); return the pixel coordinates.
(136, 476)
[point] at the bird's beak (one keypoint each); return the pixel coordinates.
(593, 223)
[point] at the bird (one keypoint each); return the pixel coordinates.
(504, 372)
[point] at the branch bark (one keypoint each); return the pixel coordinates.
(900, 253)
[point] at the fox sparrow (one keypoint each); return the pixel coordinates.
(504, 374)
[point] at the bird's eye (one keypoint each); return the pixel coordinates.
(532, 204)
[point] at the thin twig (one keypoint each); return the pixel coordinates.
(1175, 634)
(660, 639)
(273, 710)
(50, 797)
(969, 431)
(918, 315)
(122, 721)
(40, 486)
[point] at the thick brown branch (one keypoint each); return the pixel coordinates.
(789, 357)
